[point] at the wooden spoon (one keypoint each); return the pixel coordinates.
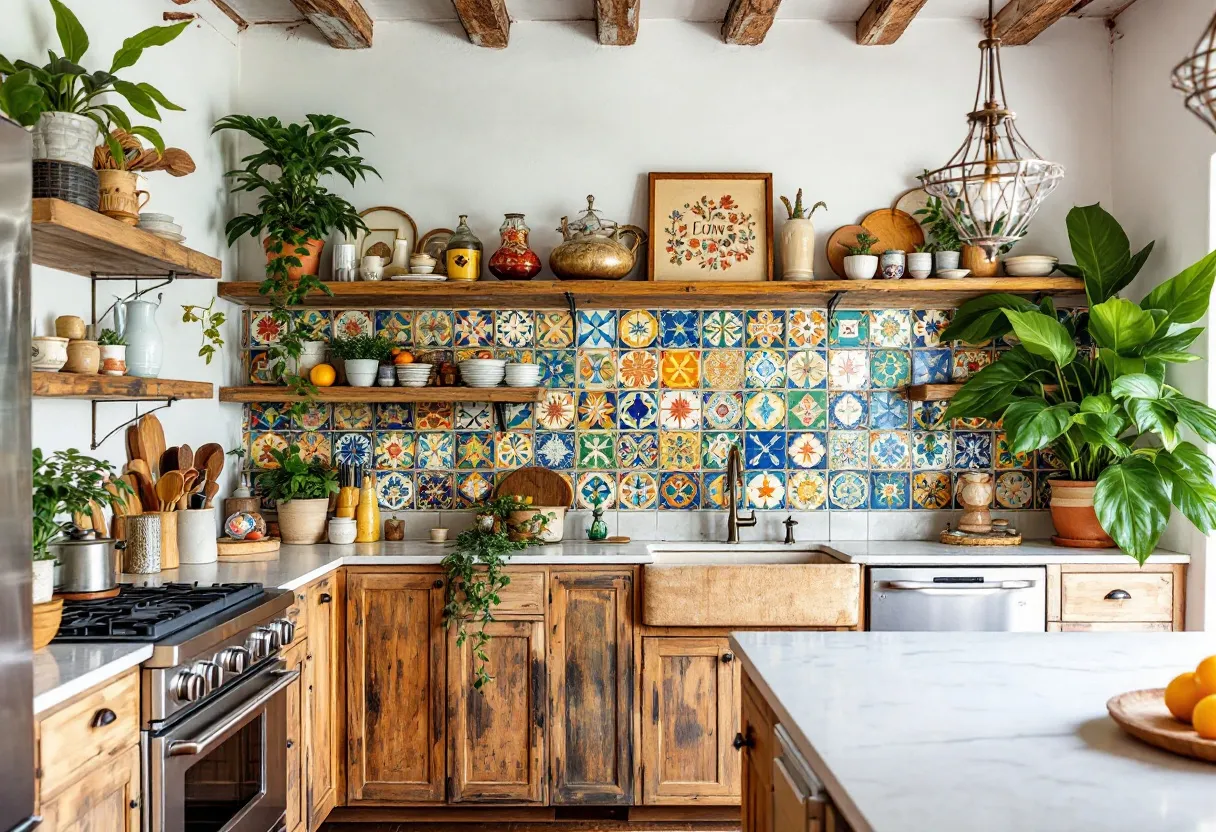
(215, 465)
(185, 458)
(132, 501)
(188, 479)
(210, 489)
(132, 442)
(168, 460)
(147, 493)
(152, 441)
(203, 455)
(169, 489)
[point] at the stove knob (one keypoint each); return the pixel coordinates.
(262, 642)
(187, 686)
(285, 629)
(234, 659)
(211, 673)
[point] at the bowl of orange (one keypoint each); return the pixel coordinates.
(1181, 717)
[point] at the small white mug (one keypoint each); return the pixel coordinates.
(439, 535)
(372, 267)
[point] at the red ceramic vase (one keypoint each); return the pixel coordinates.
(514, 260)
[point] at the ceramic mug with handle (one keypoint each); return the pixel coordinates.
(121, 197)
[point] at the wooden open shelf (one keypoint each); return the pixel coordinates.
(259, 393)
(931, 392)
(541, 294)
(117, 388)
(74, 239)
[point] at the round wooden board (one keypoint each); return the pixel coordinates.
(912, 201)
(545, 487)
(1142, 713)
(894, 230)
(247, 551)
(846, 235)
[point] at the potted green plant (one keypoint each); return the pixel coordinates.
(362, 356)
(920, 261)
(113, 349)
(943, 235)
(798, 240)
(859, 263)
(68, 105)
(1106, 412)
(301, 491)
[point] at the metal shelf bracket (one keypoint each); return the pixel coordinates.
(96, 443)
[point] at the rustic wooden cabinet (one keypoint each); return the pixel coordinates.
(1083, 597)
(297, 740)
(690, 716)
(395, 688)
(321, 689)
(757, 743)
(497, 733)
(104, 799)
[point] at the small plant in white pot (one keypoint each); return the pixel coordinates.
(362, 356)
(113, 353)
(943, 236)
(920, 261)
(859, 263)
(301, 490)
(798, 240)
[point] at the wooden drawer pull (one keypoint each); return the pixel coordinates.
(103, 718)
(1118, 595)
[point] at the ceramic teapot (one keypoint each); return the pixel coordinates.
(135, 320)
(592, 249)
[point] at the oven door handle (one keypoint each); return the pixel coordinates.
(194, 747)
(915, 586)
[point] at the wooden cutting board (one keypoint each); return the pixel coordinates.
(1142, 713)
(545, 487)
(846, 235)
(894, 230)
(247, 551)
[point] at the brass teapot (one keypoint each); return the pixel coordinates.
(592, 249)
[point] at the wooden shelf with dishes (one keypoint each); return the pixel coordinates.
(539, 294)
(262, 393)
(101, 388)
(74, 239)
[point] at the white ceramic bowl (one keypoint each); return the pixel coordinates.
(414, 269)
(154, 217)
(165, 227)
(953, 274)
(1030, 265)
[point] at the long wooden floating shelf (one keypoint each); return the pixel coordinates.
(945, 392)
(543, 294)
(74, 239)
(259, 393)
(117, 388)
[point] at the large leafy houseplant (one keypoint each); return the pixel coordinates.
(63, 85)
(66, 482)
(1106, 410)
(295, 479)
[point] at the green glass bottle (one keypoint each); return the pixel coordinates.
(599, 529)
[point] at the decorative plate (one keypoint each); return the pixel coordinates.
(434, 243)
(385, 226)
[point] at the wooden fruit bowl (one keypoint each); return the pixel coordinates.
(46, 621)
(1142, 713)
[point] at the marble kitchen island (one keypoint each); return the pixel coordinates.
(973, 731)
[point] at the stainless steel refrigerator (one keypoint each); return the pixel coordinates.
(16, 484)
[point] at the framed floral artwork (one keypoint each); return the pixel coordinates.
(711, 226)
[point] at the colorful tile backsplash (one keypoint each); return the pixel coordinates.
(643, 405)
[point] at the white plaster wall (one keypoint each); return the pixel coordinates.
(199, 72)
(1162, 184)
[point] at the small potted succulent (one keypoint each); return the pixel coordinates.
(859, 263)
(920, 261)
(113, 353)
(301, 490)
(946, 245)
(798, 240)
(362, 357)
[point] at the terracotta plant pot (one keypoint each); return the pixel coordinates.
(977, 261)
(113, 359)
(310, 263)
(1073, 515)
(303, 521)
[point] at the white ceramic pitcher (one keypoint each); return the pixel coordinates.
(135, 320)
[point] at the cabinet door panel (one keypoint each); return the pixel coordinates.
(106, 799)
(690, 707)
(322, 681)
(757, 761)
(497, 733)
(395, 687)
(591, 687)
(297, 726)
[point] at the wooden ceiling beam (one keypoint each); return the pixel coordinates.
(1021, 21)
(885, 20)
(748, 21)
(616, 22)
(343, 23)
(485, 22)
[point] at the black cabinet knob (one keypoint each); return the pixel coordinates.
(438, 583)
(742, 742)
(290, 743)
(102, 718)
(728, 657)
(1118, 595)
(134, 804)
(325, 598)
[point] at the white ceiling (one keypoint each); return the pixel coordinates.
(282, 11)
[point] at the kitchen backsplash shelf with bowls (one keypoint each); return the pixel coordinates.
(263, 393)
(74, 239)
(116, 388)
(641, 405)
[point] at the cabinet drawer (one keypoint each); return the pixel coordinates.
(96, 727)
(1117, 596)
(525, 595)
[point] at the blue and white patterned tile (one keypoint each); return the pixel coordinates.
(518, 416)
(474, 416)
(931, 366)
(891, 328)
(513, 449)
(596, 328)
(514, 328)
(317, 324)
(847, 410)
(395, 490)
(436, 450)
(972, 450)
(848, 449)
(353, 449)
(556, 368)
(555, 450)
(848, 490)
(807, 369)
(595, 488)
(596, 368)
(473, 328)
(931, 450)
(638, 410)
(765, 368)
(722, 328)
(928, 325)
(679, 328)
(929, 415)
(638, 328)
(764, 449)
(889, 491)
(888, 410)
(765, 410)
(395, 416)
(889, 449)
(713, 491)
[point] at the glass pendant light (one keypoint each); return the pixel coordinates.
(994, 184)
(1195, 77)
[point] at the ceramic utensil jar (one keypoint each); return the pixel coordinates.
(196, 540)
(142, 555)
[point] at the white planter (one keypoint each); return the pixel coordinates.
(65, 137)
(49, 353)
(196, 536)
(113, 359)
(312, 353)
(44, 580)
(945, 260)
(798, 250)
(920, 264)
(303, 521)
(361, 372)
(860, 266)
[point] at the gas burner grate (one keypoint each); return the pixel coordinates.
(149, 613)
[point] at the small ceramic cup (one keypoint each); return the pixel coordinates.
(50, 352)
(892, 264)
(372, 267)
(70, 326)
(439, 535)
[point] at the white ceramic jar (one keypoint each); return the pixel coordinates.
(920, 264)
(798, 250)
(50, 353)
(860, 266)
(196, 536)
(945, 260)
(342, 530)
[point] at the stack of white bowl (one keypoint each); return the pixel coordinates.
(1030, 265)
(162, 225)
(413, 375)
(523, 375)
(483, 372)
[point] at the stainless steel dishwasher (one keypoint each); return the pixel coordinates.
(977, 598)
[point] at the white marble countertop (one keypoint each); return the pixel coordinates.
(61, 671)
(991, 731)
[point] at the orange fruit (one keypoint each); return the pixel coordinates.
(323, 375)
(403, 357)
(1181, 696)
(1205, 676)
(1203, 718)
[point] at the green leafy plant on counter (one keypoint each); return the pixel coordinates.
(1106, 411)
(865, 240)
(63, 85)
(66, 482)
(366, 347)
(210, 321)
(293, 208)
(295, 479)
(110, 338)
(475, 577)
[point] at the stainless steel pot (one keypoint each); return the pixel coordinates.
(88, 564)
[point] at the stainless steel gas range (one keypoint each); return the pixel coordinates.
(213, 699)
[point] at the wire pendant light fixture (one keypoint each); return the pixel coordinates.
(1195, 77)
(994, 184)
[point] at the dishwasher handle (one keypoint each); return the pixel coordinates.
(921, 586)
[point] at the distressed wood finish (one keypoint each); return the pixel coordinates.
(616, 21)
(297, 740)
(591, 687)
(116, 388)
(486, 22)
(1108, 626)
(752, 595)
(106, 799)
(395, 693)
(1083, 596)
(690, 715)
(757, 764)
(74, 239)
(793, 809)
(524, 597)
(884, 21)
(748, 21)
(324, 650)
(261, 393)
(497, 734)
(1021, 21)
(69, 742)
(343, 23)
